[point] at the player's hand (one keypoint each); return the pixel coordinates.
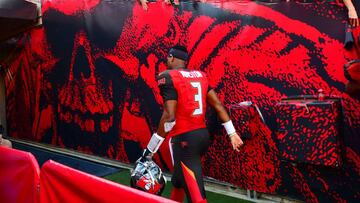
(144, 4)
(146, 156)
(176, 2)
(144, 159)
(236, 142)
(353, 18)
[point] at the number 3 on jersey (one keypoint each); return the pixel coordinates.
(198, 98)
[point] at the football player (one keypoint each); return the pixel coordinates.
(185, 94)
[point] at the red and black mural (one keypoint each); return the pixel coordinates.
(85, 80)
(308, 131)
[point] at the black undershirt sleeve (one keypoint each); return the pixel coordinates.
(166, 86)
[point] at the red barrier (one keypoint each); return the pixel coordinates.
(19, 176)
(60, 183)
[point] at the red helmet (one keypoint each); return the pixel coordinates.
(147, 176)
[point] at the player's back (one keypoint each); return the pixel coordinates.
(192, 88)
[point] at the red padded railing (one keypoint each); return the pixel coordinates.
(60, 183)
(19, 176)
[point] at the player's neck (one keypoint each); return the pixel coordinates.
(179, 67)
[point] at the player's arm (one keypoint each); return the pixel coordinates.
(353, 17)
(167, 121)
(144, 4)
(214, 102)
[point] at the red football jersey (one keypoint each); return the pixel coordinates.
(191, 89)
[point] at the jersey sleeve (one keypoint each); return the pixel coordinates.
(166, 86)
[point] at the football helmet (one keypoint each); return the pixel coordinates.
(147, 176)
